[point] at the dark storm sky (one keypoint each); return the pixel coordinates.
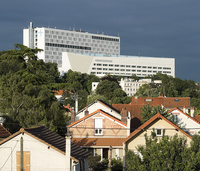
(156, 28)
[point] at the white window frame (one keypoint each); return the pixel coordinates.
(98, 126)
(161, 132)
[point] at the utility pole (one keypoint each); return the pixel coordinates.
(21, 154)
(110, 158)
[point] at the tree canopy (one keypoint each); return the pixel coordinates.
(165, 154)
(149, 111)
(25, 99)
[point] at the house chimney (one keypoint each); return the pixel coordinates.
(86, 111)
(68, 152)
(192, 111)
(128, 124)
(184, 109)
(124, 115)
(72, 115)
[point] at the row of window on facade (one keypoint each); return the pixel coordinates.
(121, 74)
(131, 66)
(128, 70)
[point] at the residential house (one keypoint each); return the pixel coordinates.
(161, 126)
(185, 121)
(41, 149)
(135, 107)
(97, 104)
(99, 130)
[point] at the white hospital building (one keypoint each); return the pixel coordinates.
(89, 53)
(119, 65)
(55, 41)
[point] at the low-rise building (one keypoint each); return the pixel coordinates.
(98, 131)
(39, 149)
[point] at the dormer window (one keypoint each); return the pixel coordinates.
(98, 124)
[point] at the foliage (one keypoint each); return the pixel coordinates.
(116, 164)
(92, 98)
(77, 83)
(95, 163)
(149, 111)
(26, 100)
(148, 90)
(111, 90)
(171, 87)
(167, 153)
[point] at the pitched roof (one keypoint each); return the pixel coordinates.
(197, 117)
(97, 111)
(134, 110)
(167, 102)
(99, 142)
(176, 108)
(4, 132)
(53, 140)
(151, 120)
(100, 101)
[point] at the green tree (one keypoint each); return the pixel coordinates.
(111, 90)
(25, 99)
(149, 111)
(167, 153)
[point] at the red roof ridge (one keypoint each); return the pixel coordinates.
(158, 115)
(100, 111)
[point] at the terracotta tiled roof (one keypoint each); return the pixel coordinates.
(4, 132)
(134, 110)
(68, 107)
(53, 140)
(97, 111)
(167, 102)
(59, 92)
(135, 106)
(197, 117)
(98, 142)
(151, 120)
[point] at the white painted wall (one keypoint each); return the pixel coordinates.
(186, 123)
(42, 158)
(97, 105)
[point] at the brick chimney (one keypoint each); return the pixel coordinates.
(192, 111)
(86, 111)
(124, 115)
(72, 115)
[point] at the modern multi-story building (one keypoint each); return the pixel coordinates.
(127, 66)
(97, 54)
(55, 41)
(131, 86)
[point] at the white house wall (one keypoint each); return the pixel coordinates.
(186, 123)
(42, 158)
(95, 107)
